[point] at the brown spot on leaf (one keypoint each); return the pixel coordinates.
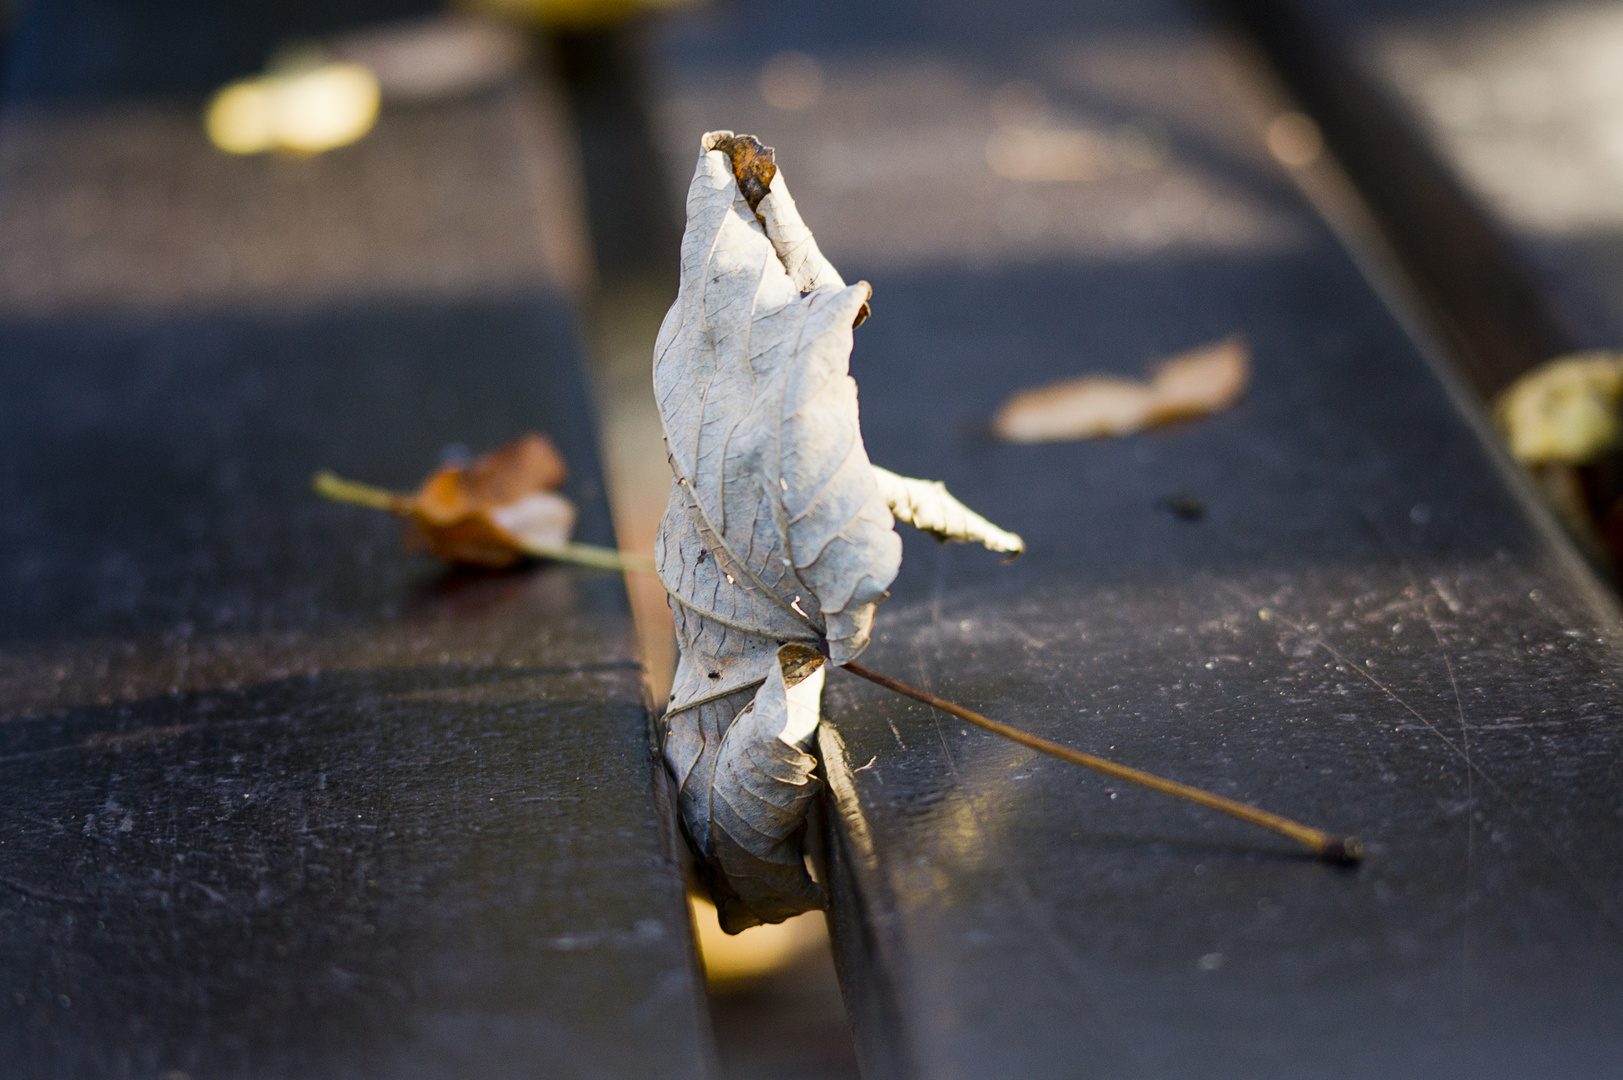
(753, 166)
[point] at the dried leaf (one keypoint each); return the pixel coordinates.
(763, 788)
(491, 513)
(1564, 411)
(1201, 381)
(494, 511)
(779, 532)
(1195, 383)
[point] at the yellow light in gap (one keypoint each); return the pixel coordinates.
(734, 958)
(307, 111)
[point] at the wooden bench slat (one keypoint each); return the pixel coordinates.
(1478, 134)
(1372, 627)
(281, 799)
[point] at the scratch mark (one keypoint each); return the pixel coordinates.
(1594, 895)
(38, 894)
(1448, 598)
(1020, 632)
(894, 731)
(120, 741)
(1470, 808)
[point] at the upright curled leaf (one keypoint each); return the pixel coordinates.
(779, 532)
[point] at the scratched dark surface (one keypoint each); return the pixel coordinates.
(277, 798)
(1368, 628)
(1477, 132)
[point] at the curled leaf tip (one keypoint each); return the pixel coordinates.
(754, 166)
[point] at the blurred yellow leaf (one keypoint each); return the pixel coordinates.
(1564, 411)
(730, 959)
(307, 111)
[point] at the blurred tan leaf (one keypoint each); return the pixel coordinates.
(928, 506)
(1190, 384)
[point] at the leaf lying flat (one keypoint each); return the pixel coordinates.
(778, 529)
(495, 510)
(1195, 383)
(492, 513)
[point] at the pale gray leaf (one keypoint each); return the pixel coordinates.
(778, 539)
(763, 788)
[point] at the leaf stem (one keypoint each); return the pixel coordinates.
(330, 485)
(1331, 847)
(603, 558)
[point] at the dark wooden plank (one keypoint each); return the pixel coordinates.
(1480, 131)
(281, 799)
(1371, 627)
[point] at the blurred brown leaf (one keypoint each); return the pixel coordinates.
(492, 512)
(495, 510)
(1194, 383)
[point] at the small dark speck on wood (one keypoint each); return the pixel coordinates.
(1184, 506)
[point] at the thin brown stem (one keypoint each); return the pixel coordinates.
(1330, 847)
